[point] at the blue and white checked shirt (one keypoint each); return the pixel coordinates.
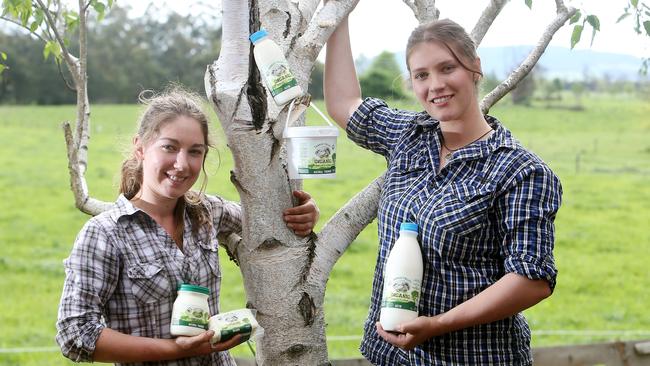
(124, 271)
(488, 212)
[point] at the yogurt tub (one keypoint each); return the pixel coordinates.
(227, 325)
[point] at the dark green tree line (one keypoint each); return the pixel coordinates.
(127, 56)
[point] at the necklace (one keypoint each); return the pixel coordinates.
(451, 151)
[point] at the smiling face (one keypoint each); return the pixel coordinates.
(442, 85)
(172, 160)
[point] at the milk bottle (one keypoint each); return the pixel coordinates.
(402, 279)
(274, 68)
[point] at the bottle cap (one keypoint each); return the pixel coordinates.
(193, 288)
(258, 35)
(409, 226)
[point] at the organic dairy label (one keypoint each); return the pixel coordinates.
(192, 317)
(227, 325)
(279, 78)
(316, 157)
(401, 293)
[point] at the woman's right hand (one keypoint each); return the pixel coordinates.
(201, 343)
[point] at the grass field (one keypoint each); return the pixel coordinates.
(602, 156)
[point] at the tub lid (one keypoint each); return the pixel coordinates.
(311, 131)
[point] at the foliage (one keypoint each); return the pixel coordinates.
(636, 9)
(383, 79)
(126, 55)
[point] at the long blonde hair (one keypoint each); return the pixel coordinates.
(161, 109)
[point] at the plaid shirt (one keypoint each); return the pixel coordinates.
(124, 271)
(488, 212)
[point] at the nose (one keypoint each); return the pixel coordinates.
(436, 83)
(181, 161)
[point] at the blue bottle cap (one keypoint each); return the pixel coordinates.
(258, 35)
(409, 226)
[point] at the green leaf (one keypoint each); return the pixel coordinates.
(575, 36)
(529, 3)
(2, 68)
(594, 22)
(634, 3)
(622, 17)
(52, 48)
(646, 25)
(3, 56)
(576, 17)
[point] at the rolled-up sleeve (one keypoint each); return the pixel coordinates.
(376, 127)
(528, 210)
(91, 273)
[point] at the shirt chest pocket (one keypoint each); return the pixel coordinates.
(464, 207)
(404, 171)
(149, 282)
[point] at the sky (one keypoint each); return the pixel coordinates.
(375, 28)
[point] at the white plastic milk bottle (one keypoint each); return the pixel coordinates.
(402, 279)
(274, 68)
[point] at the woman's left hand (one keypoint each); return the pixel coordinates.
(411, 333)
(302, 218)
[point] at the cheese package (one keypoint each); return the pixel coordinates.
(227, 325)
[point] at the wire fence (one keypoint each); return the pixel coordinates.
(348, 338)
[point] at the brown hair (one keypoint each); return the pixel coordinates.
(451, 35)
(161, 109)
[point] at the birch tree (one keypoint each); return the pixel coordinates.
(284, 275)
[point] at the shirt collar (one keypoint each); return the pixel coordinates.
(502, 138)
(123, 207)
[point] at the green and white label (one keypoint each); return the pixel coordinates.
(401, 293)
(279, 78)
(316, 157)
(193, 317)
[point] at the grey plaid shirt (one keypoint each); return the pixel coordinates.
(124, 271)
(488, 212)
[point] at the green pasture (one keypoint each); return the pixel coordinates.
(601, 154)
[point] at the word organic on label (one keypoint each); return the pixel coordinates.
(401, 293)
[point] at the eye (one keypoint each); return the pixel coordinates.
(448, 68)
(169, 148)
(197, 152)
(420, 75)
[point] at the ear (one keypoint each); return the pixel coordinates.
(139, 149)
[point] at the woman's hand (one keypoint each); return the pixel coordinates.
(411, 333)
(302, 218)
(201, 343)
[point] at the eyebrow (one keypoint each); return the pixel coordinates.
(178, 142)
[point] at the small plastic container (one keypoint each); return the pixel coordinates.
(191, 313)
(311, 150)
(274, 68)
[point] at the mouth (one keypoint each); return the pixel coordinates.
(442, 99)
(175, 178)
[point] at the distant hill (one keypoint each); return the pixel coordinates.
(559, 62)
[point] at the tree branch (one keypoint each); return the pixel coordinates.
(339, 232)
(321, 27)
(21, 26)
(487, 18)
(424, 10)
(72, 65)
(563, 14)
(83, 201)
